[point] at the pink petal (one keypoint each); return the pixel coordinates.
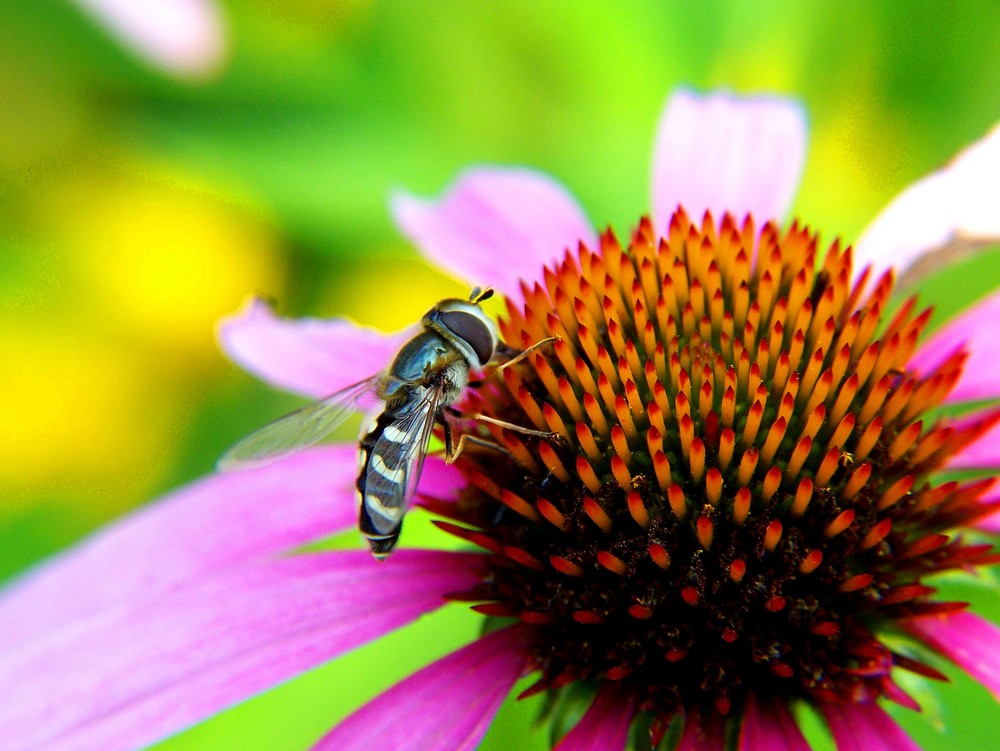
(703, 732)
(605, 725)
(767, 725)
(969, 641)
(447, 706)
(438, 479)
(724, 152)
(128, 677)
(495, 225)
(978, 329)
(865, 727)
(184, 37)
(983, 453)
(216, 523)
(309, 356)
(947, 214)
(991, 523)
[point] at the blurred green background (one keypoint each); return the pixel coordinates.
(139, 202)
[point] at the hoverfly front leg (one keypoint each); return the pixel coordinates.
(513, 356)
(517, 355)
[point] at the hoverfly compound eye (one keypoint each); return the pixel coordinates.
(472, 329)
(467, 327)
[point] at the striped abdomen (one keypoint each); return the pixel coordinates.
(382, 483)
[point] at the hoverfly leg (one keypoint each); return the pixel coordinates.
(511, 356)
(546, 434)
(452, 455)
(516, 356)
(451, 451)
(449, 448)
(505, 351)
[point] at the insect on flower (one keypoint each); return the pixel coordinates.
(429, 373)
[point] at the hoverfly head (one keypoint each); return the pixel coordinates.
(466, 326)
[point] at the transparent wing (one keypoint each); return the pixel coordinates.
(296, 431)
(401, 449)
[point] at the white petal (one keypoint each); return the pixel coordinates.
(950, 213)
(184, 37)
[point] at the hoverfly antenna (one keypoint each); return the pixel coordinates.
(481, 296)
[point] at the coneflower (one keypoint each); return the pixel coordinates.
(737, 505)
(738, 494)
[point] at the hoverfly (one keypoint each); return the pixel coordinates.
(428, 374)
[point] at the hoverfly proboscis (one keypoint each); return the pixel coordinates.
(429, 373)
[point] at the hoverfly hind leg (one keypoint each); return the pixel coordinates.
(452, 451)
(452, 456)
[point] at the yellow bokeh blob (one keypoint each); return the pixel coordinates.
(390, 290)
(162, 261)
(847, 159)
(101, 367)
(75, 412)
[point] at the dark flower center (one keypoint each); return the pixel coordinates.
(737, 491)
